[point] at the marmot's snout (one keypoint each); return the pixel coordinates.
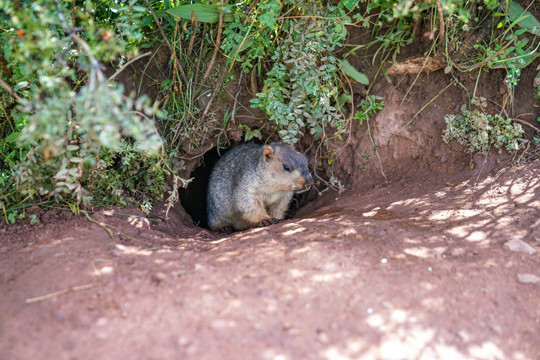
(308, 182)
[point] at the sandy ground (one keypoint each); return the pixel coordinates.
(422, 268)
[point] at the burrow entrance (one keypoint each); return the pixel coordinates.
(193, 197)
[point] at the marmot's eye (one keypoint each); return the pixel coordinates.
(286, 168)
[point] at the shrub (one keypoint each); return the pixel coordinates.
(72, 117)
(478, 131)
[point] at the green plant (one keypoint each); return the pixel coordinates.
(478, 131)
(368, 107)
(127, 176)
(250, 133)
(302, 88)
(69, 116)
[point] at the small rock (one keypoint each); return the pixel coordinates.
(106, 270)
(323, 338)
(219, 324)
(528, 278)
(198, 267)
(519, 246)
(158, 277)
(183, 341)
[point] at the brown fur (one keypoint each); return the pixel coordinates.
(252, 185)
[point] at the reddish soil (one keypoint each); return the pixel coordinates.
(416, 269)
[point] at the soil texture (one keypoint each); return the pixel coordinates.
(421, 268)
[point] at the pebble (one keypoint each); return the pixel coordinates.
(528, 278)
(220, 324)
(519, 246)
(158, 277)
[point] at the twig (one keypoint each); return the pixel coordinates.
(441, 20)
(62, 292)
(129, 63)
(108, 228)
(485, 61)
(179, 65)
(238, 89)
(417, 76)
(224, 74)
(194, 28)
(216, 49)
(175, 76)
(100, 224)
(419, 111)
(375, 148)
(201, 48)
(214, 93)
(525, 123)
(9, 90)
(95, 66)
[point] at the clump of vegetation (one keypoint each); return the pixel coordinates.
(301, 91)
(479, 132)
(70, 119)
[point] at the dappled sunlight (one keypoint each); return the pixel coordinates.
(424, 277)
(296, 273)
(327, 277)
(403, 334)
(132, 250)
(422, 251)
(105, 270)
(294, 231)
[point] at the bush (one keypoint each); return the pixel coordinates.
(69, 117)
(478, 131)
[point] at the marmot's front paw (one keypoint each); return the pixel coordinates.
(269, 222)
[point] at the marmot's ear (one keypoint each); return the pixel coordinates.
(268, 152)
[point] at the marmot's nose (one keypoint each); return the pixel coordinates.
(309, 180)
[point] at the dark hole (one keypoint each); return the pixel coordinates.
(193, 198)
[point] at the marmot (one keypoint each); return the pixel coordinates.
(252, 185)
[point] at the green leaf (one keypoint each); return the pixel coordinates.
(202, 12)
(525, 19)
(268, 19)
(527, 60)
(351, 72)
(349, 4)
(11, 138)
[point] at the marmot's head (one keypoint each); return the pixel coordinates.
(288, 167)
